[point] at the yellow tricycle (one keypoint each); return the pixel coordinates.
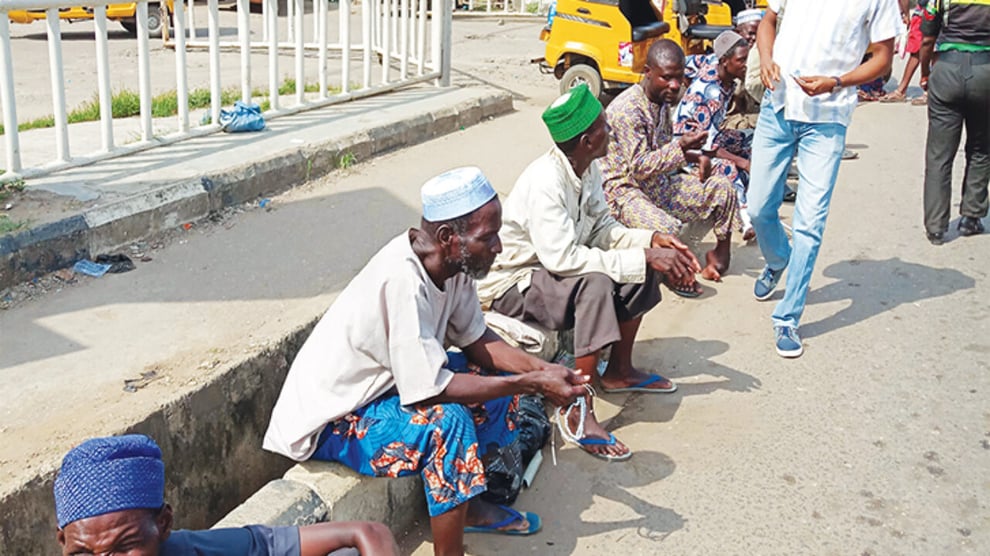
(604, 42)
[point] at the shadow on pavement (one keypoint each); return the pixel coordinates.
(874, 287)
(686, 361)
(276, 255)
(563, 494)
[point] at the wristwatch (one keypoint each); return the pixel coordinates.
(838, 82)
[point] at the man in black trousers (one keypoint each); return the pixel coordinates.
(958, 94)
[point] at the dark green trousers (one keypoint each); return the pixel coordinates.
(958, 96)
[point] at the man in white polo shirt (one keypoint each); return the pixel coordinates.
(811, 70)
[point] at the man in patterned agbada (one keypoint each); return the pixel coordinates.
(656, 182)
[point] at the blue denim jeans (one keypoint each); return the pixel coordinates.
(819, 149)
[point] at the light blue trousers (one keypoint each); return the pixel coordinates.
(819, 149)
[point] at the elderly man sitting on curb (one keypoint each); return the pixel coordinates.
(109, 499)
(568, 264)
(373, 388)
(648, 182)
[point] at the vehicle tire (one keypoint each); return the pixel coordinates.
(581, 73)
(155, 23)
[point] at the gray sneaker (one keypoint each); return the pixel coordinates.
(766, 283)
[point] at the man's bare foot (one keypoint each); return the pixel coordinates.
(481, 514)
(594, 429)
(689, 288)
(749, 234)
(716, 264)
(614, 380)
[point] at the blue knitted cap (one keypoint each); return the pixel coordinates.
(104, 475)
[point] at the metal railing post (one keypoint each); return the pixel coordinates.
(103, 77)
(436, 36)
(271, 17)
(58, 84)
(386, 40)
(367, 37)
(290, 18)
(11, 136)
(446, 23)
(181, 77)
(191, 22)
(300, 52)
(404, 22)
(144, 71)
(344, 11)
(244, 34)
(421, 37)
(214, 26)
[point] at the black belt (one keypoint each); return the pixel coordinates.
(959, 57)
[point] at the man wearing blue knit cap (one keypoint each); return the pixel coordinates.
(374, 388)
(109, 499)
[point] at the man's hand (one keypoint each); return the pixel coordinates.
(703, 161)
(672, 242)
(815, 85)
(667, 240)
(704, 167)
(558, 384)
(924, 83)
(677, 263)
(769, 72)
(692, 140)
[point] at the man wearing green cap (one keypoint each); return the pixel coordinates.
(567, 264)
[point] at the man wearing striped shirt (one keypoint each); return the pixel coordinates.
(958, 95)
(811, 69)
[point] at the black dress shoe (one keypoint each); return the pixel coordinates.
(970, 226)
(936, 238)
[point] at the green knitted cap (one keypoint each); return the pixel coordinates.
(572, 114)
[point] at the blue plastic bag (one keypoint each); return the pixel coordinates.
(89, 268)
(242, 117)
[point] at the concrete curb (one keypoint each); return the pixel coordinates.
(313, 491)
(56, 245)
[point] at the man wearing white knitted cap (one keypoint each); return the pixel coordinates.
(374, 388)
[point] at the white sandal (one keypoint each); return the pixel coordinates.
(577, 436)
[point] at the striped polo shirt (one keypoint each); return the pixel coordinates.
(827, 38)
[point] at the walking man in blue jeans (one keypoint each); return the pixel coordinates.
(811, 70)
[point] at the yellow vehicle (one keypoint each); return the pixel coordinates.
(604, 42)
(125, 13)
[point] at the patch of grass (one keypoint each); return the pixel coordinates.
(10, 188)
(127, 103)
(346, 160)
(7, 225)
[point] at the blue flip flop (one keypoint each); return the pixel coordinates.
(644, 387)
(610, 441)
(535, 524)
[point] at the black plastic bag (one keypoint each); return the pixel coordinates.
(118, 263)
(504, 466)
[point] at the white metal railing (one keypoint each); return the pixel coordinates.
(505, 7)
(411, 44)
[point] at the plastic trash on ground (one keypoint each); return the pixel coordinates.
(242, 117)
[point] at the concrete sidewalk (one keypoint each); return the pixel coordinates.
(83, 211)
